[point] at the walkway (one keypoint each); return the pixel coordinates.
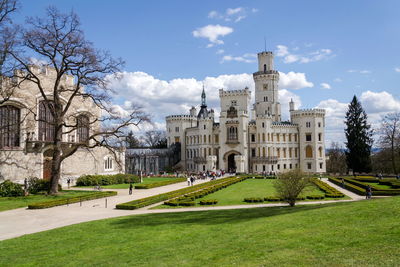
(18, 222)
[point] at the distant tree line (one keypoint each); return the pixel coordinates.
(150, 139)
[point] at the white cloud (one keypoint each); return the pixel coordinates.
(360, 71)
(220, 51)
(212, 33)
(288, 57)
(397, 69)
(338, 80)
(379, 102)
(293, 80)
(231, 14)
(284, 98)
(247, 58)
(325, 86)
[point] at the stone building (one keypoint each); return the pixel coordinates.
(250, 138)
(26, 133)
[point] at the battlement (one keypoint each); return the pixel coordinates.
(283, 124)
(245, 92)
(50, 72)
(180, 117)
(308, 112)
(258, 73)
(265, 53)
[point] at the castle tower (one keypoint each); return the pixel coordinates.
(266, 87)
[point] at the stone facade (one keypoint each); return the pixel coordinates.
(250, 138)
(29, 154)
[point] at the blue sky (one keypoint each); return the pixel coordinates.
(341, 47)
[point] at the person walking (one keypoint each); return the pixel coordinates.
(130, 188)
(189, 179)
(368, 192)
(342, 182)
(69, 182)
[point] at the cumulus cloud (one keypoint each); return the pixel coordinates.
(220, 51)
(288, 57)
(285, 96)
(161, 97)
(212, 33)
(397, 69)
(325, 86)
(375, 104)
(231, 14)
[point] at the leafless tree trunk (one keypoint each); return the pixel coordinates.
(153, 138)
(59, 44)
(390, 136)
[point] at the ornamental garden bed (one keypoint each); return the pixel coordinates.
(258, 191)
(148, 182)
(379, 186)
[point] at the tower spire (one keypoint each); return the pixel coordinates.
(203, 98)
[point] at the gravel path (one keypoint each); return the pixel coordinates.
(18, 222)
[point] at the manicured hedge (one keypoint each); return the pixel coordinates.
(315, 197)
(348, 186)
(273, 199)
(327, 189)
(120, 178)
(193, 192)
(161, 183)
(375, 190)
(70, 200)
(253, 199)
(208, 202)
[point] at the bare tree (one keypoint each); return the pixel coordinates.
(336, 159)
(60, 45)
(390, 136)
(154, 138)
(290, 184)
(8, 33)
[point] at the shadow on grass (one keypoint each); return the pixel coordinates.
(213, 217)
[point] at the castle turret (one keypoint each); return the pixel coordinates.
(266, 87)
(291, 105)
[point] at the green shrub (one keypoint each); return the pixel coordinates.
(315, 197)
(273, 199)
(70, 200)
(36, 185)
(10, 189)
(120, 178)
(208, 202)
(161, 183)
(327, 189)
(253, 199)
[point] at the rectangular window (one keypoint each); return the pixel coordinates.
(253, 152)
(253, 138)
(10, 120)
(46, 121)
(216, 138)
(177, 139)
(263, 125)
(277, 137)
(279, 166)
(309, 165)
(290, 137)
(320, 137)
(319, 124)
(177, 129)
(290, 166)
(284, 166)
(308, 137)
(320, 165)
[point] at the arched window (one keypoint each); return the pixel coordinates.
(320, 151)
(10, 120)
(83, 128)
(46, 121)
(108, 163)
(232, 133)
(309, 152)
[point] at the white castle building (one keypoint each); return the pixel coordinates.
(250, 138)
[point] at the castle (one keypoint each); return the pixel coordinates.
(250, 139)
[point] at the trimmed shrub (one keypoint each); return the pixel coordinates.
(70, 200)
(120, 178)
(315, 197)
(273, 199)
(10, 189)
(161, 183)
(327, 189)
(253, 199)
(208, 202)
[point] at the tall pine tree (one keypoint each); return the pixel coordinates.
(359, 138)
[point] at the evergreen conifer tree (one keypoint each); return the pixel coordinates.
(359, 138)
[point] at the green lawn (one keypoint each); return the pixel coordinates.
(9, 203)
(235, 194)
(147, 180)
(363, 233)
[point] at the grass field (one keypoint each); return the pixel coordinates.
(235, 194)
(146, 180)
(9, 203)
(364, 233)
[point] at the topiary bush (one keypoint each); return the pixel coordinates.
(253, 199)
(208, 202)
(121, 178)
(273, 199)
(10, 189)
(315, 197)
